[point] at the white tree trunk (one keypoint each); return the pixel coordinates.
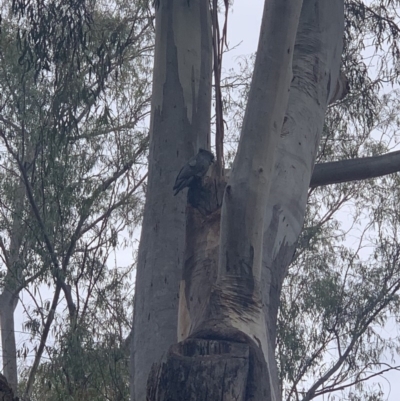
(180, 124)
(12, 285)
(8, 303)
(246, 194)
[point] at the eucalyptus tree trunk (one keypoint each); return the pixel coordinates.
(12, 286)
(316, 63)
(8, 303)
(237, 256)
(180, 124)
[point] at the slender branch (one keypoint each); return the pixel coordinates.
(10, 123)
(43, 339)
(113, 207)
(38, 307)
(87, 204)
(330, 389)
(303, 371)
(31, 279)
(130, 125)
(49, 245)
(217, 52)
(362, 327)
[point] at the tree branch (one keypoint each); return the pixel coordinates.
(355, 169)
(361, 327)
(331, 389)
(29, 192)
(88, 202)
(108, 212)
(43, 340)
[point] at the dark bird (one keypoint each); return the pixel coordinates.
(193, 170)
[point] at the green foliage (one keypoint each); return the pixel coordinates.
(74, 93)
(90, 360)
(74, 153)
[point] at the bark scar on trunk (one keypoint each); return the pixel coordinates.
(206, 194)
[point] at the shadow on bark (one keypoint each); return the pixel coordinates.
(6, 392)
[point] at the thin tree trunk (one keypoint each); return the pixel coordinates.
(8, 303)
(9, 296)
(180, 124)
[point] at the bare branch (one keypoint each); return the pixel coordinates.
(355, 169)
(330, 389)
(362, 327)
(43, 339)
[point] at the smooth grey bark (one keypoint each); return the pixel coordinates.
(180, 124)
(8, 303)
(316, 63)
(355, 169)
(248, 187)
(12, 286)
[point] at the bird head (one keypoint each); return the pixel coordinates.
(207, 154)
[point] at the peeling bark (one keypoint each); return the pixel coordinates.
(201, 257)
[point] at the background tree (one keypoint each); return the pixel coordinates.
(74, 91)
(90, 361)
